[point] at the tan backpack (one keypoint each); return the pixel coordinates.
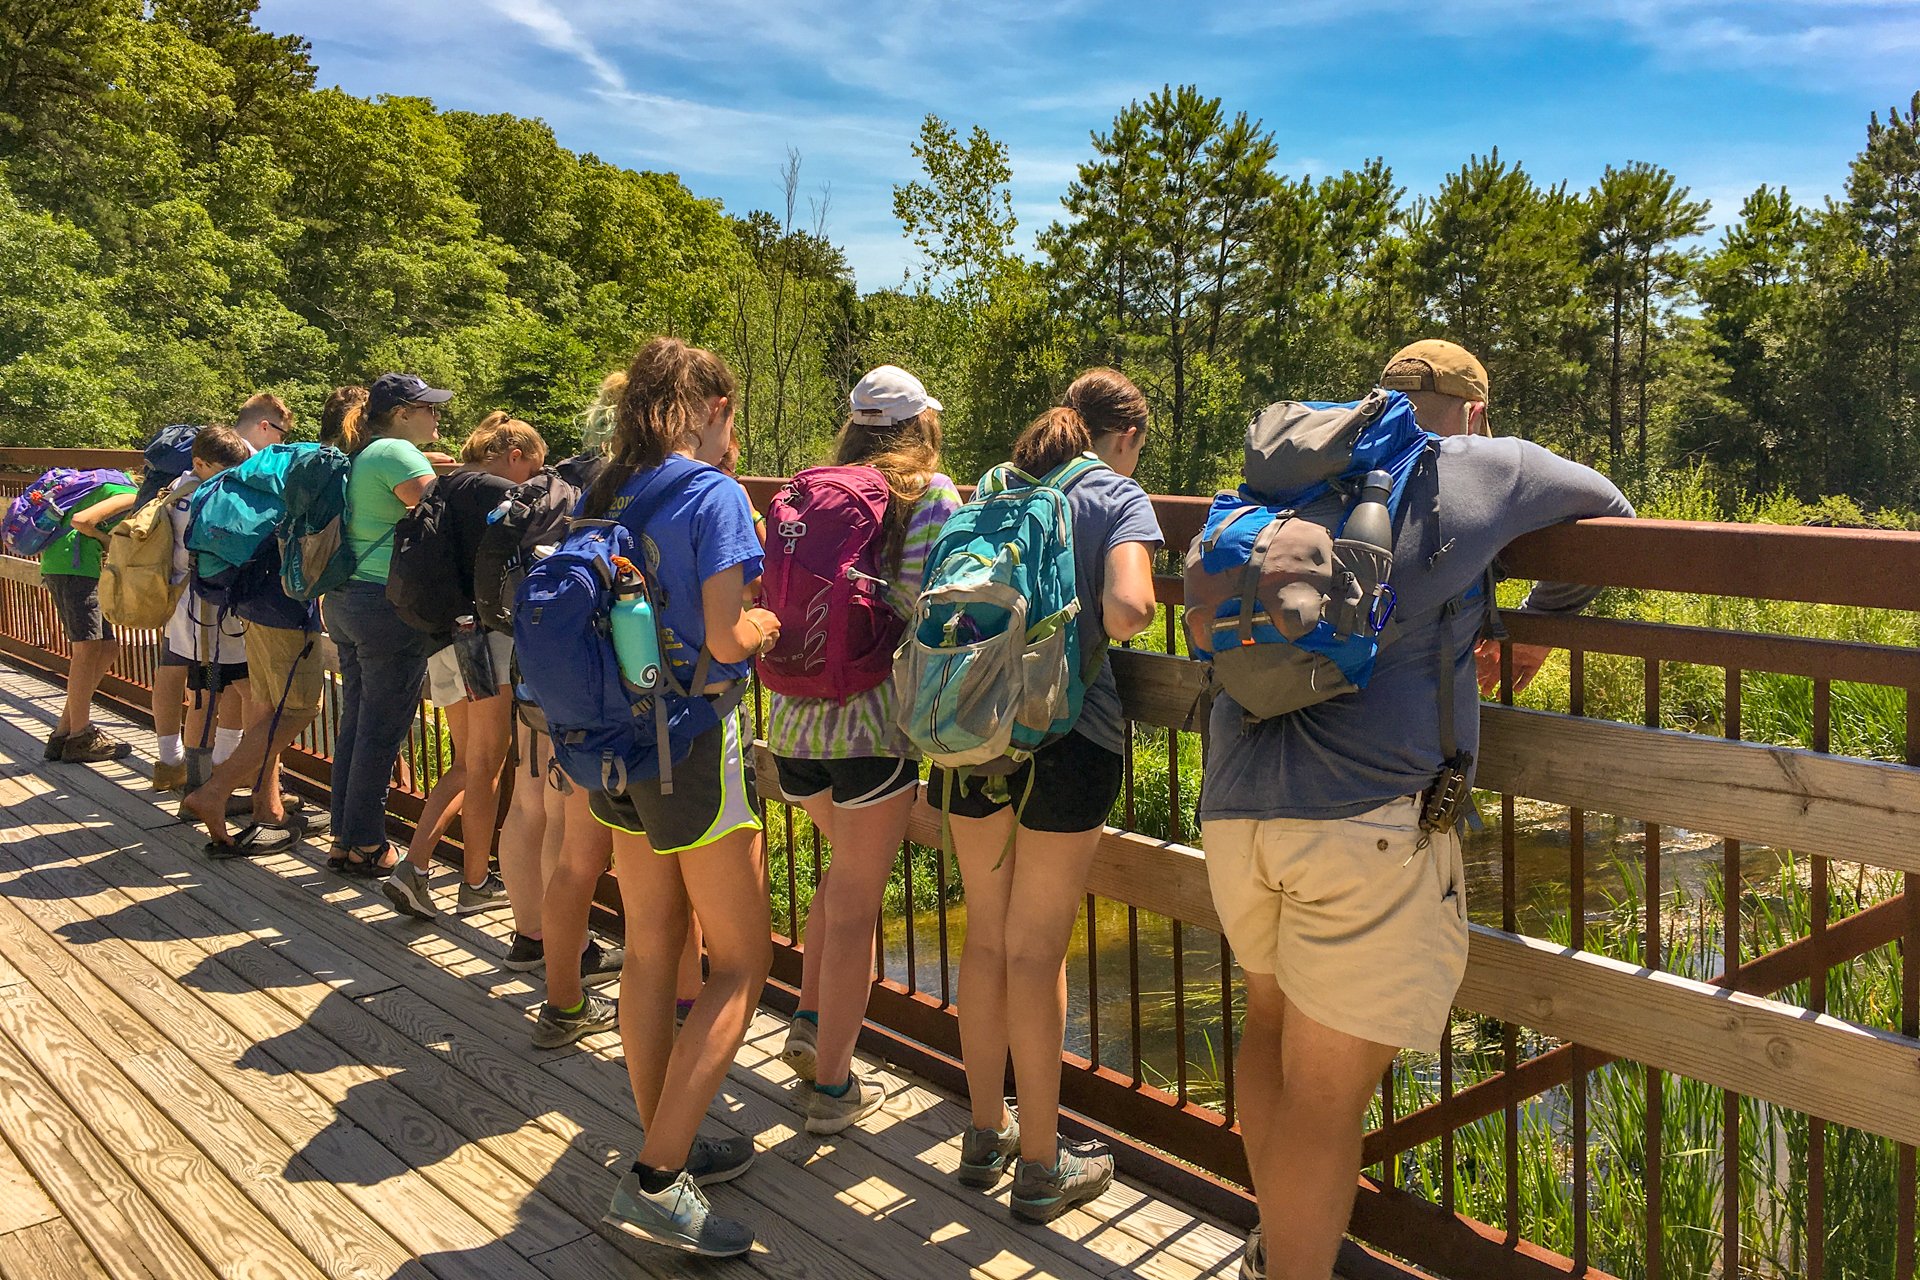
(136, 589)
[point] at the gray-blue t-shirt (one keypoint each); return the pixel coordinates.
(1109, 510)
(1350, 754)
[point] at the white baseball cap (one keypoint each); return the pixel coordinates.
(888, 395)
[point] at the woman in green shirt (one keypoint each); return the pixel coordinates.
(382, 659)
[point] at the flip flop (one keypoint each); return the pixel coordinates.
(255, 840)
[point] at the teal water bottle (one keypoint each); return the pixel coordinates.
(636, 637)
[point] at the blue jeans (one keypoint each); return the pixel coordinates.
(382, 664)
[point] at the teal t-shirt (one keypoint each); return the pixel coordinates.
(75, 554)
(372, 510)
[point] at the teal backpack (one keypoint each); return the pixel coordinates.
(291, 495)
(990, 670)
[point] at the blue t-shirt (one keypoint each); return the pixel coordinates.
(703, 527)
(1109, 510)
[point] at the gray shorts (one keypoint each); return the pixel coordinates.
(76, 599)
(709, 800)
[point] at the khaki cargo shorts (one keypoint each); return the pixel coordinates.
(1365, 931)
(275, 668)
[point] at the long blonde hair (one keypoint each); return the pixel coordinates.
(908, 455)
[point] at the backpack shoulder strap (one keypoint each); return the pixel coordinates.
(1074, 470)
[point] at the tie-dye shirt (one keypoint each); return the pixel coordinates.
(863, 725)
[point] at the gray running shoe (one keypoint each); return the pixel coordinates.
(827, 1114)
(802, 1054)
(406, 889)
(485, 896)
(1253, 1261)
(678, 1218)
(1080, 1172)
(718, 1159)
(556, 1028)
(985, 1154)
(600, 962)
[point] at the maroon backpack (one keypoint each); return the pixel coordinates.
(824, 580)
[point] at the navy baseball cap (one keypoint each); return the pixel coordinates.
(391, 390)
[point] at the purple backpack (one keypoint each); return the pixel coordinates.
(825, 538)
(37, 516)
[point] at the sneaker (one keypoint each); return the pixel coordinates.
(92, 745)
(485, 896)
(1253, 1261)
(170, 777)
(406, 889)
(802, 1054)
(828, 1115)
(714, 1160)
(56, 743)
(555, 1028)
(985, 1154)
(526, 954)
(1080, 1173)
(600, 962)
(678, 1218)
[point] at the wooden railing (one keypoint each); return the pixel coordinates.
(1577, 1059)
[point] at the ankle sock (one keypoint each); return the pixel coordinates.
(653, 1181)
(171, 752)
(571, 1012)
(835, 1090)
(807, 1015)
(225, 743)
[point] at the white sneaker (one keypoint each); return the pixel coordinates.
(678, 1218)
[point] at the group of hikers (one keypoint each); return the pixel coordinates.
(593, 624)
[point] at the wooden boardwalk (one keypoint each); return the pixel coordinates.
(257, 1069)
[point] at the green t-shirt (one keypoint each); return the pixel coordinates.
(75, 554)
(372, 510)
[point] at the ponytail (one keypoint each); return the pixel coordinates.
(1051, 439)
(1101, 402)
(662, 409)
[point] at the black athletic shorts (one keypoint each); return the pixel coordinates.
(855, 783)
(710, 799)
(1075, 782)
(205, 677)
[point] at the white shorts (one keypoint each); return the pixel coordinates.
(444, 685)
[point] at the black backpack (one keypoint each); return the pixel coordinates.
(424, 582)
(535, 514)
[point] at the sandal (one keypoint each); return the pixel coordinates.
(337, 857)
(257, 839)
(370, 864)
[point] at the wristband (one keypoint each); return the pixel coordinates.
(758, 630)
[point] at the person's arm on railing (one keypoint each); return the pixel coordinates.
(1559, 490)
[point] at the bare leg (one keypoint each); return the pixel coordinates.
(978, 843)
(521, 835)
(569, 898)
(90, 661)
(169, 701)
(869, 840)
(674, 1081)
(1304, 1149)
(1049, 884)
(489, 733)
(209, 803)
(443, 802)
(813, 934)
(687, 988)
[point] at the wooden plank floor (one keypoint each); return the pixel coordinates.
(257, 1069)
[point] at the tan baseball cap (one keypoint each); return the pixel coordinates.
(1434, 364)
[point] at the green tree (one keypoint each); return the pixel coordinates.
(961, 217)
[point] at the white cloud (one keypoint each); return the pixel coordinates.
(553, 29)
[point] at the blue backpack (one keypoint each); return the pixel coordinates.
(608, 732)
(1288, 610)
(168, 456)
(990, 670)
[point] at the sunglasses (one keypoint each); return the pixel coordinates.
(277, 426)
(434, 409)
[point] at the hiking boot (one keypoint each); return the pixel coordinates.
(56, 743)
(1080, 1172)
(600, 962)
(406, 889)
(714, 1160)
(556, 1028)
(92, 745)
(986, 1153)
(170, 777)
(526, 954)
(485, 896)
(827, 1115)
(678, 1218)
(802, 1054)
(1253, 1261)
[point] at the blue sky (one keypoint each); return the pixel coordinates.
(1726, 93)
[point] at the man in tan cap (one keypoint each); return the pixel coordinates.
(1447, 385)
(1332, 848)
